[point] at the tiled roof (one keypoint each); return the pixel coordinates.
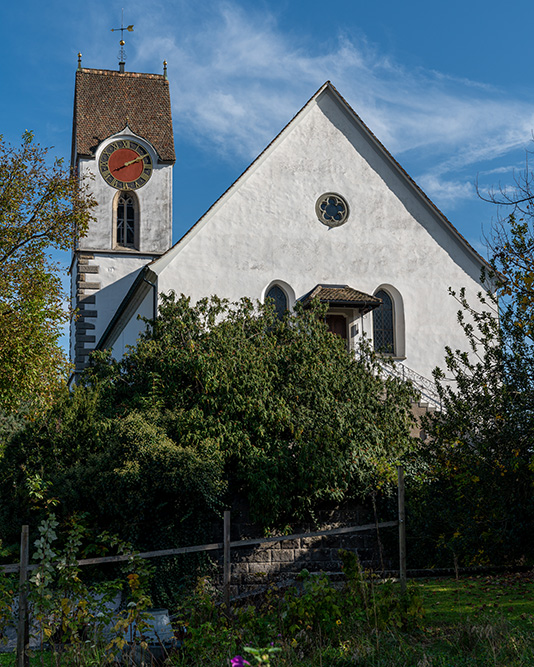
(106, 101)
(342, 295)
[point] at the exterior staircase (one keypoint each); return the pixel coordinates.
(429, 399)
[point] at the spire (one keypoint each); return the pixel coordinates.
(122, 52)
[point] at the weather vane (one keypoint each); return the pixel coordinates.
(122, 52)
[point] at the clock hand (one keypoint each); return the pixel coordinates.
(127, 164)
(137, 159)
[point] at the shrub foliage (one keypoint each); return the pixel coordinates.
(216, 400)
(477, 506)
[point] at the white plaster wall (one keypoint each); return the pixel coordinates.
(266, 229)
(116, 275)
(130, 334)
(155, 205)
(117, 268)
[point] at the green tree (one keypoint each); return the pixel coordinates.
(480, 499)
(217, 400)
(299, 419)
(42, 208)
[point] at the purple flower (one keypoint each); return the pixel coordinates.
(239, 661)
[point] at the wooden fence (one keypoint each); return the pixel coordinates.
(24, 567)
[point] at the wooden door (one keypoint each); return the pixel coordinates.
(337, 325)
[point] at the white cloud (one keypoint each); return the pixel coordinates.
(237, 77)
(503, 169)
(446, 192)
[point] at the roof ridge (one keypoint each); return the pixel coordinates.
(112, 72)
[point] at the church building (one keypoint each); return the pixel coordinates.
(324, 211)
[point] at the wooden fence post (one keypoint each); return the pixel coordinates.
(23, 660)
(402, 531)
(226, 560)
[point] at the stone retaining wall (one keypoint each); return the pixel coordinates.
(280, 562)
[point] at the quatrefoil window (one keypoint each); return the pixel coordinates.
(332, 210)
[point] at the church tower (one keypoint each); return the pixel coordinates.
(123, 147)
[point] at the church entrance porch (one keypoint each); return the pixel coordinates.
(346, 308)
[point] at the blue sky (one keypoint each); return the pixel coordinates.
(446, 86)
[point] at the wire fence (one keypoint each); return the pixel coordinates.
(24, 567)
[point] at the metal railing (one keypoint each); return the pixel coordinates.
(425, 387)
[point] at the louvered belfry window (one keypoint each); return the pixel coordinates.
(126, 220)
(383, 331)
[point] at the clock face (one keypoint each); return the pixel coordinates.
(125, 165)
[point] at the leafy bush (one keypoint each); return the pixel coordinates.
(313, 615)
(475, 506)
(217, 400)
(73, 617)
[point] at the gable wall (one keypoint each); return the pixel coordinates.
(265, 229)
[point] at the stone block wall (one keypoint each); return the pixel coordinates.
(255, 567)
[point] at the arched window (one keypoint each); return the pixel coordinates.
(279, 297)
(383, 324)
(126, 223)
